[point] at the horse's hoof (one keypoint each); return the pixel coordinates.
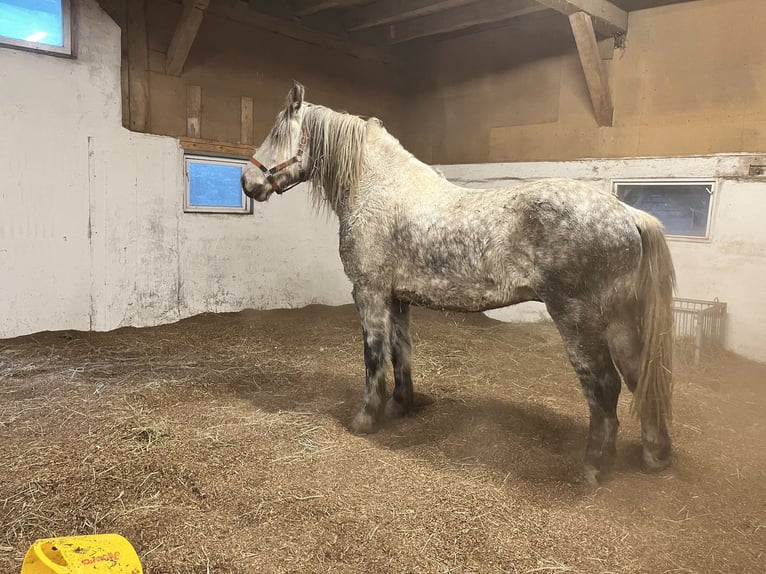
(364, 423)
(395, 409)
(587, 476)
(652, 463)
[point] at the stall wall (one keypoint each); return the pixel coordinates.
(92, 229)
(730, 265)
(230, 59)
(93, 234)
(689, 80)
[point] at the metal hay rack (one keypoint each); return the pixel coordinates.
(698, 326)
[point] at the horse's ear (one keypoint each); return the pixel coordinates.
(295, 97)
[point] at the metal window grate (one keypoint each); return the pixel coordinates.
(698, 326)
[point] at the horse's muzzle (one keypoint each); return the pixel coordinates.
(257, 192)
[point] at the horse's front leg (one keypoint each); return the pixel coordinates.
(376, 331)
(400, 402)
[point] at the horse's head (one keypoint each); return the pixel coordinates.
(281, 160)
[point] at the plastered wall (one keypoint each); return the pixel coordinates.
(92, 230)
(691, 79)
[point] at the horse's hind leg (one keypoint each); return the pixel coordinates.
(626, 347)
(583, 331)
(376, 326)
(401, 350)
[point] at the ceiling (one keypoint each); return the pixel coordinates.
(392, 23)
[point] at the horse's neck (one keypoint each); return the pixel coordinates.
(387, 173)
(385, 155)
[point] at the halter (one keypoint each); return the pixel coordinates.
(269, 173)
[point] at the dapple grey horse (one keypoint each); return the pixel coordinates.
(410, 237)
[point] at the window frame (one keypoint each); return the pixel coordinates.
(669, 182)
(214, 159)
(67, 25)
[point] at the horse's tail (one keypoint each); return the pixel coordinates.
(654, 290)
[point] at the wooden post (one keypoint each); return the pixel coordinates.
(124, 64)
(183, 37)
(246, 121)
(608, 19)
(593, 67)
(138, 79)
(193, 111)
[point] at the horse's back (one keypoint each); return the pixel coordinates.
(475, 249)
(573, 224)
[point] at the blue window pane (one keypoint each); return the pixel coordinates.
(37, 21)
(215, 185)
(682, 209)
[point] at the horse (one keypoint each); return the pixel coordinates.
(409, 237)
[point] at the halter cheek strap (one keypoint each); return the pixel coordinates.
(269, 173)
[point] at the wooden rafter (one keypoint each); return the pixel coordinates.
(183, 37)
(390, 11)
(593, 66)
(309, 7)
(238, 11)
(461, 18)
(608, 19)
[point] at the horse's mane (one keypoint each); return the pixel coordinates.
(336, 143)
(335, 146)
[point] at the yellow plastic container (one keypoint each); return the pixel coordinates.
(82, 555)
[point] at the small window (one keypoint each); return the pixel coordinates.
(683, 207)
(43, 25)
(213, 186)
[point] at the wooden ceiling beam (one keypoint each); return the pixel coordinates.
(608, 19)
(309, 7)
(390, 11)
(238, 11)
(593, 66)
(468, 16)
(183, 37)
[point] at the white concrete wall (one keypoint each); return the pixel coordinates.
(92, 229)
(731, 265)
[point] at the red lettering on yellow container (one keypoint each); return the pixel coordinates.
(112, 556)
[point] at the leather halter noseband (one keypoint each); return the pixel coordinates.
(269, 173)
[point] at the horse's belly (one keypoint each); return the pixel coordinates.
(468, 296)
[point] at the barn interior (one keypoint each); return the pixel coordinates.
(185, 372)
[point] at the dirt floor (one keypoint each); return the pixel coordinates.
(221, 444)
